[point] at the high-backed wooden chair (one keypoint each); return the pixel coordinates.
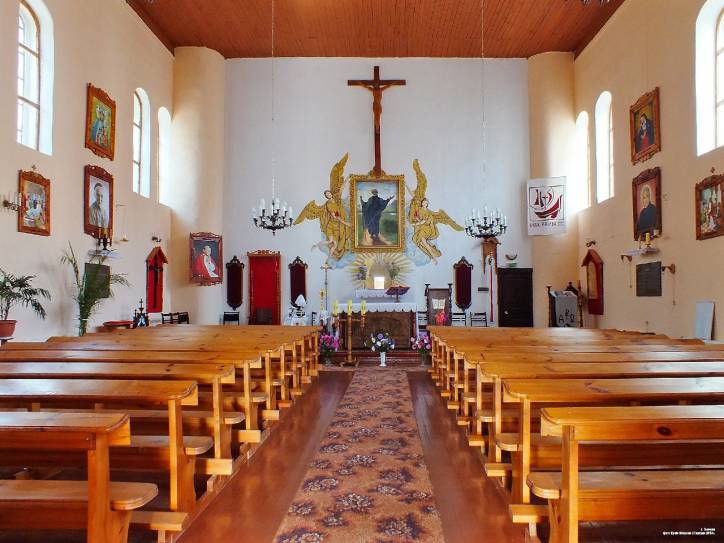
(183, 317)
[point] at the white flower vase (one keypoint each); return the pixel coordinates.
(382, 359)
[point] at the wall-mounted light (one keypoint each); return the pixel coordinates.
(13, 202)
(156, 238)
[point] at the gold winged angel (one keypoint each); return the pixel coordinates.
(424, 221)
(332, 215)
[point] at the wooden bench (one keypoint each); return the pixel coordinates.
(575, 496)
(213, 375)
(172, 453)
(527, 393)
(495, 373)
(103, 508)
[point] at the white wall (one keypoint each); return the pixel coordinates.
(103, 42)
(435, 118)
(650, 43)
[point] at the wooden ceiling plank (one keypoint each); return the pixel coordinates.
(376, 28)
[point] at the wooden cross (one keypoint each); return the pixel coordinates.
(376, 86)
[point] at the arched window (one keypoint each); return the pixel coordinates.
(28, 78)
(604, 147)
(141, 144)
(35, 76)
(710, 77)
(164, 156)
(580, 189)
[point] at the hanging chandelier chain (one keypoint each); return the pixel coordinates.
(276, 216)
(273, 161)
(480, 224)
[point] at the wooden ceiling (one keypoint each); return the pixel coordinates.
(376, 28)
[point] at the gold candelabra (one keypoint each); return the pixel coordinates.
(347, 320)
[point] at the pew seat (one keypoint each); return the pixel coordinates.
(17, 494)
(639, 495)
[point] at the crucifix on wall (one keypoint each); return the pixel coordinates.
(377, 86)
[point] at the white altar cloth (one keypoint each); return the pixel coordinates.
(366, 293)
(381, 307)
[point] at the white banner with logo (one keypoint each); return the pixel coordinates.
(546, 206)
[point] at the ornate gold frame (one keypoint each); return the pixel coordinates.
(644, 154)
(384, 178)
(102, 96)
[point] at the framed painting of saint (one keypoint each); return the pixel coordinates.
(98, 202)
(646, 195)
(709, 210)
(206, 256)
(100, 125)
(378, 213)
(645, 127)
(34, 213)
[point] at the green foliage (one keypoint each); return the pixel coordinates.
(18, 289)
(90, 292)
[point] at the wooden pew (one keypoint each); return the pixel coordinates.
(213, 375)
(495, 373)
(575, 496)
(173, 452)
(103, 508)
(529, 393)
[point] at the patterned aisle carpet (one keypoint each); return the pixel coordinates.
(368, 482)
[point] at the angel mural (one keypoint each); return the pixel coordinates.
(424, 221)
(332, 215)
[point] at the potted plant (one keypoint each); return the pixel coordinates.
(91, 287)
(380, 342)
(422, 345)
(18, 290)
(328, 345)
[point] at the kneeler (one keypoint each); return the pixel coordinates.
(264, 286)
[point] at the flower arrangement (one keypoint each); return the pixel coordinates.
(328, 345)
(380, 342)
(421, 344)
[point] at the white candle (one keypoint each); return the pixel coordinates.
(262, 204)
(291, 213)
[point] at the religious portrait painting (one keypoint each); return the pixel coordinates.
(100, 130)
(34, 213)
(645, 127)
(98, 202)
(377, 208)
(206, 258)
(709, 210)
(646, 195)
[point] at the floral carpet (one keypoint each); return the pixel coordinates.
(368, 481)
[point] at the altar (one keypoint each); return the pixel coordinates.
(397, 319)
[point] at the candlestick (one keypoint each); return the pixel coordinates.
(363, 307)
(349, 307)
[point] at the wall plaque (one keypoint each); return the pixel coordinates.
(648, 279)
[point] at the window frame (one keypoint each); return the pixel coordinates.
(24, 49)
(718, 102)
(137, 165)
(606, 155)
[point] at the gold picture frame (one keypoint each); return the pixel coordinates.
(377, 209)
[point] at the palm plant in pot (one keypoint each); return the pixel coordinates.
(92, 287)
(18, 290)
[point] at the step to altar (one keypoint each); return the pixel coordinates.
(368, 358)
